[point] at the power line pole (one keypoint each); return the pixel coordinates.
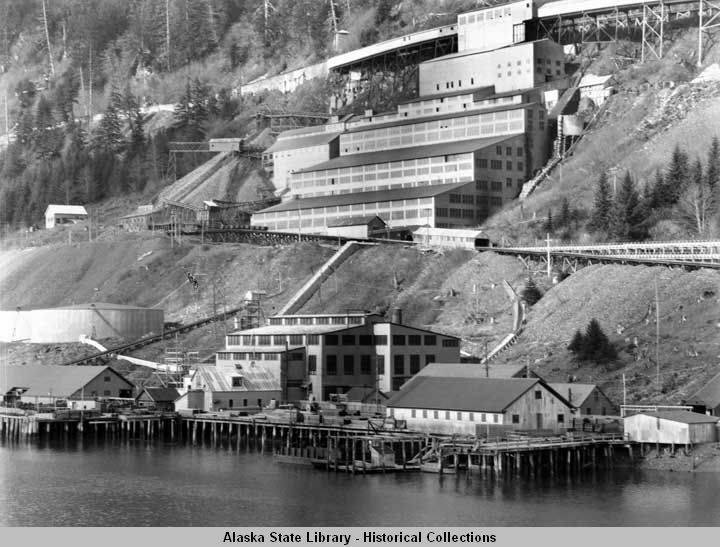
(167, 31)
(47, 37)
(657, 333)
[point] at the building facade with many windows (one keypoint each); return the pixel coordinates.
(328, 357)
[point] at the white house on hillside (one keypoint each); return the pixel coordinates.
(64, 214)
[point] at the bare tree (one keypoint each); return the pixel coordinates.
(696, 206)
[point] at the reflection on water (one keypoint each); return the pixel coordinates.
(172, 485)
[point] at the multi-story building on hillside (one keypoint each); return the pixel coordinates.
(449, 158)
(319, 355)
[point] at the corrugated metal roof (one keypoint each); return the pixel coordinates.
(467, 394)
(450, 232)
(66, 209)
(305, 141)
(592, 79)
(447, 116)
(353, 221)
(56, 380)
(365, 395)
(681, 416)
(709, 395)
(473, 370)
(255, 378)
(366, 197)
(409, 153)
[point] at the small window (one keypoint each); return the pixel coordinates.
(106, 378)
(451, 343)
(429, 358)
(412, 413)
(348, 339)
(414, 364)
(399, 365)
(424, 413)
(471, 416)
(459, 416)
(447, 414)
(312, 364)
(365, 367)
(561, 418)
(398, 339)
(365, 340)
(237, 381)
(414, 340)
(313, 339)
(106, 393)
(483, 417)
(331, 365)
(495, 418)
(538, 394)
(331, 339)
(436, 414)
(296, 339)
(260, 403)
(516, 418)
(381, 340)
(245, 402)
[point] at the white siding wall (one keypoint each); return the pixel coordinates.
(491, 28)
(287, 161)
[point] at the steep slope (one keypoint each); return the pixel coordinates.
(622, 299)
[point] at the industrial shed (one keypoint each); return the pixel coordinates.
(64, 214)
(367, 226)
(671, 427)
(587, 399)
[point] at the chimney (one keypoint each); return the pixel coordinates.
(569, 395)
(396, 316)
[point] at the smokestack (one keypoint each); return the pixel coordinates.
(396, 316)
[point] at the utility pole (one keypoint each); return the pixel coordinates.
(167, 31)
(90, 90)
(549, 258)
(657, 334)
(487, 364)
(624, 391)
(47, 37)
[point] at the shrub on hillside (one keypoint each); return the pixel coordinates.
(531, 294)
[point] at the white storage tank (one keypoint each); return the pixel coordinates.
(97, 320)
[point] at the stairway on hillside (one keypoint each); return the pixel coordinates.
(184, 186)
(327, 269)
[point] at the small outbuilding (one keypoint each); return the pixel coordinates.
(64, 214)
(587, 399)
(159, 398)
(707, 399)
(671, 427)
(367, 226)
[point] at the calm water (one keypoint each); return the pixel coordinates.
(165, 485)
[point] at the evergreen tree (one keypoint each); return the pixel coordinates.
(531, 294)
(602, 209)
(596, 345)
(109, 134)
(629, 214)
(677, 176)
(712, 174)
(658, 199)
(577, 342)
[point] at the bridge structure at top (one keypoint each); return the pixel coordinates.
(564, 21)
(693, 254)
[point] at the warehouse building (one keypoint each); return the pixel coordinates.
(478, 406)
(671, 427)
(587, 399)
(317, 356)
(64, 214)
(78, 386)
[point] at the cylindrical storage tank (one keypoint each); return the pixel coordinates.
(15, 325)
(97, 321)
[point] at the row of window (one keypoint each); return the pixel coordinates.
(366, 362)
(489, 124)
(444, 212)
(449, 415)
(339, 340)
(339, 320)
(495, 186)
(359, 207)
